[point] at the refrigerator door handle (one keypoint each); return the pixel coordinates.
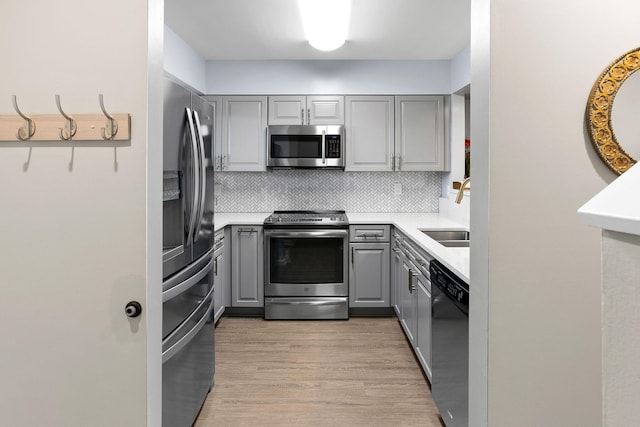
(203, 175)
(187, 284)
(175, 348)
(196, 178)
(187, 272)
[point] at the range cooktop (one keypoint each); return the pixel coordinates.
(324, 218)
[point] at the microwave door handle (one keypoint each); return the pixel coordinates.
(203, 174)
(324, 142)
(196, 189)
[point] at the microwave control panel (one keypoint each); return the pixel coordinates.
(333, 146)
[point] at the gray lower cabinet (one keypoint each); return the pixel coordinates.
(369, 275)
(411, 287)
(369, 265)
(423, 341)
(221, 272)
(408, 301)
(247, 266)
(396, 269)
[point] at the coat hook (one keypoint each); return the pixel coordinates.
(29, 128)
(110, 131)
(70, 126)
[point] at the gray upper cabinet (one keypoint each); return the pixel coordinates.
(369, 126)
(244, 124)
(420, 133)
(306, 110)
(216, 102)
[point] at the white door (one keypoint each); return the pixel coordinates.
(81, 222)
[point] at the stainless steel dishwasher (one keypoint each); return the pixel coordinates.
(450, 345)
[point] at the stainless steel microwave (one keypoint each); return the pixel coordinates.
(305, 146)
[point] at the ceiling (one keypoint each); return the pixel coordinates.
(271, 29)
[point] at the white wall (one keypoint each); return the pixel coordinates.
(447, 205)
(80, 221)
(327, 77)
(535, 268)
(461, 69)
(182, 62)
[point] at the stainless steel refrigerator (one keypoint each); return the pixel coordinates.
(187, 291)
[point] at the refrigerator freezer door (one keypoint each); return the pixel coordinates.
(188, 367)
(184, 291)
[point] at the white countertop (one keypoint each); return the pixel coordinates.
(456, 259)
(616, 208)
(223, 219)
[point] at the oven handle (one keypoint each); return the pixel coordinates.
(311, 302)
(306, 233)
(324, 147)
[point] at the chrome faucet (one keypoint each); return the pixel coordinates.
(461, 190)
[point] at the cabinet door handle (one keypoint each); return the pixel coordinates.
(393, 162)
(399, 162)
(215, 266)
(412, 284)
(308, 115)
(410, 280)
(352, 255)
(247, 230)
(302, 115)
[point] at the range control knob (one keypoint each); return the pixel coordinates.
(133, 309)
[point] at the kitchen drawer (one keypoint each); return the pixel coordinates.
(369, 233)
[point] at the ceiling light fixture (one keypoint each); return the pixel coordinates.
(325, 22)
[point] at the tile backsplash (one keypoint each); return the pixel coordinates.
(327, 189)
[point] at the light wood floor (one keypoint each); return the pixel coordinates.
(359, 372)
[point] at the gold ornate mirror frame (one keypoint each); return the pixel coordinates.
(599, 109)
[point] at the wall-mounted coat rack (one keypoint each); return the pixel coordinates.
(65, 127)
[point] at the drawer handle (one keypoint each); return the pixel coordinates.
(372, 235)
(247, 230)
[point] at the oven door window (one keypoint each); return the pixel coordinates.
(296, 146)
(306, 260)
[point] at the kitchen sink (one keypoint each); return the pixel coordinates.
(447, 234)
(449, 238)
(454, 243)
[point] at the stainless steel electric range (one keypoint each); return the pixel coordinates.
(306, 265)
